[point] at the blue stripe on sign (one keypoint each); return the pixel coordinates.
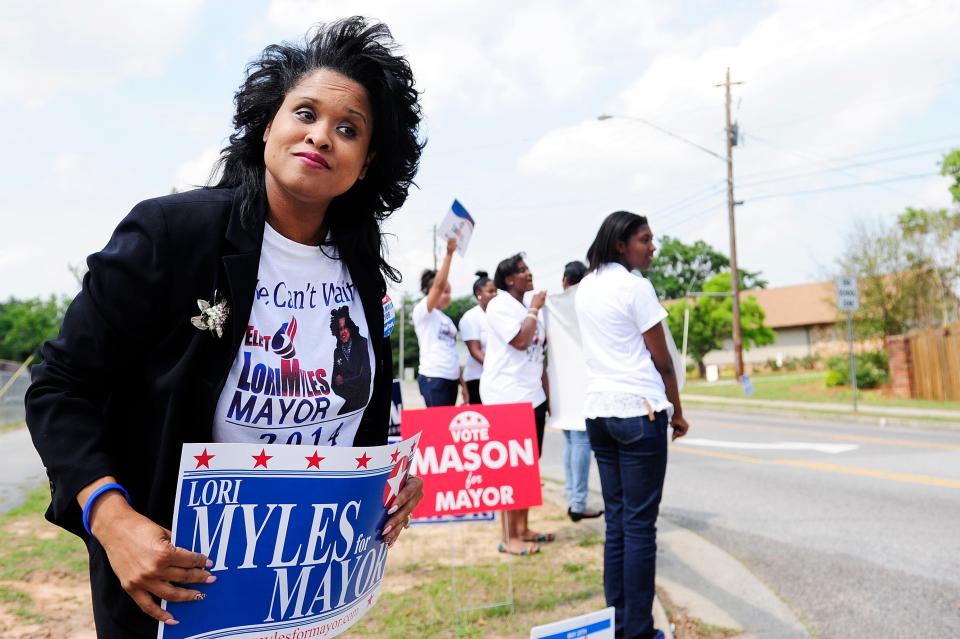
(459, 211)
(582, 631)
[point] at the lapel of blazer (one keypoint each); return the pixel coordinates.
(241, 263)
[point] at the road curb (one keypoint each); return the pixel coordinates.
(813, 413)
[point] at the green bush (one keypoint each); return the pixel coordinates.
(871, 366)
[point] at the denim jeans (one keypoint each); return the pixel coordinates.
(576, 468)
(437, 391)
(632, 458)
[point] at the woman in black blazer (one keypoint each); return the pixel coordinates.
(325, 147)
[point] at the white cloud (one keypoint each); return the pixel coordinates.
(50, 48)
(196, 171)
(823, 80)
(485, 57)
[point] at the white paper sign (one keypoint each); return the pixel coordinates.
(848, 296)
(457, 224)
(596, 625)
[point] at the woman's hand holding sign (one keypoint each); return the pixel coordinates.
(402, 508)
(142, 555)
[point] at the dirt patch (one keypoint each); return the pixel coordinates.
(52, 606)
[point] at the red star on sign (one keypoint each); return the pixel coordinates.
(395, 482)
(393, 457)
(313, 461)
(262, 458)
(363, 460)
(370, 600)
(203, 459)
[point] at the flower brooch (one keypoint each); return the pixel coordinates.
(213, 315)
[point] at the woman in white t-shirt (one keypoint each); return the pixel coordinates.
(473, 329)
(513, 372)
(439, 373)
(631, 397)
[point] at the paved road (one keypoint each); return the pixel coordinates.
(20, 468)
(857, 528)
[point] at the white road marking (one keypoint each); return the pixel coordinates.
(833, 449)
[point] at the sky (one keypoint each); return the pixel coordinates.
(846, 109)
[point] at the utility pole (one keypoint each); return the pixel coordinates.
(731, 205)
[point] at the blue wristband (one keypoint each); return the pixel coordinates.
(96, 494)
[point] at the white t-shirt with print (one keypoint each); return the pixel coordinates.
(614, 309)
(437, 338)
(294, 381)
(473, 326)
(511, 375)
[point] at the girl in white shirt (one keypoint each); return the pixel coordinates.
(631, 397)
(513, 373)
(439, 373)
(473, 329)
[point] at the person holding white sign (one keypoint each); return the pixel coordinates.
(439, 373)
(219, 315)
(513, 373)
(632, 397)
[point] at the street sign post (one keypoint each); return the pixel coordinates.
(848, 299)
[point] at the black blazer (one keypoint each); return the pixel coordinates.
(130, 379)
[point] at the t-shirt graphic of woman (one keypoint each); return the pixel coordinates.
(351, 362)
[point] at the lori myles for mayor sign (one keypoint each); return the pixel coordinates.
(475, 458)
(293, 533)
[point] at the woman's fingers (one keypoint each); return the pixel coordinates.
(187, 575)
(403, 507)
(183, 558)
(150, 607)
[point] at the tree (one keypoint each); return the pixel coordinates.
(411, 349)
(951, 168)
(26, 324)
(932, 242)
(899, 289)
(711, 320)
(679, 268)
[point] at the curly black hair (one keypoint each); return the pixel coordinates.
(505, 269)
(342, 313)
(365, 52)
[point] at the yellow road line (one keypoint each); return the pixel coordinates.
(865, 439)
(910, 478)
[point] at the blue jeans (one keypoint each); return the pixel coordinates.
(632, 458)
(437, 391)
(576, 468)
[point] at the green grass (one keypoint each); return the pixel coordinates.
(12, 426)
(24, 551)
(807, 387)
(592, 540)
(429, 608)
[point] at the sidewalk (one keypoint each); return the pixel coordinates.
(704, 580)
(900, 413)
(21, 470)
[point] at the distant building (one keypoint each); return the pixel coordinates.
(804, 318)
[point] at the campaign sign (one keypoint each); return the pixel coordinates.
(293, 533)
(457, 224)
(596, 625)
(475, 458)
(396, 405)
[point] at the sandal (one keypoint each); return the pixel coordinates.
(541, 538)
(526, 552)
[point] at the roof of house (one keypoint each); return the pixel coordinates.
(795, 306)
(800, 305)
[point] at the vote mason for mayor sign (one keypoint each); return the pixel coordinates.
(475, 458)
(293, 533)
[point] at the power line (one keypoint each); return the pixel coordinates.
(840, 187)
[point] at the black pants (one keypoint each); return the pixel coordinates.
(473, 391)
(540, 418)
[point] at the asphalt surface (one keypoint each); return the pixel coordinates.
(20, 468)
(856, 528)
